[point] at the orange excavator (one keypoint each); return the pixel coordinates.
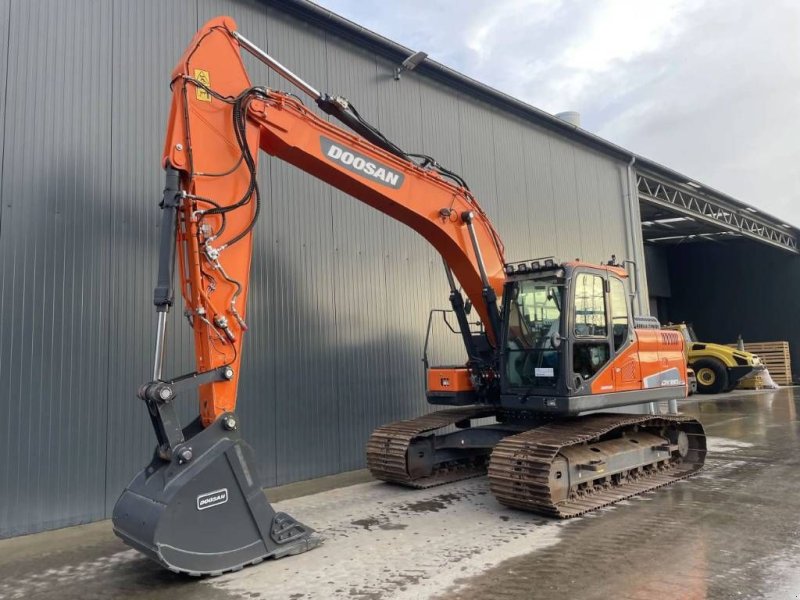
(555, 341)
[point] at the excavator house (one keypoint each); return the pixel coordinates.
(554, 342)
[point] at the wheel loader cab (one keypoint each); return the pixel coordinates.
(567, 335)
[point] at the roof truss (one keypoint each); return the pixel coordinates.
(723, 216)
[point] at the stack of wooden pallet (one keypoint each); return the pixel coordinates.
(752, 383)
(775, 355)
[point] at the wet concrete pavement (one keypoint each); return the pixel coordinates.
(730, 532)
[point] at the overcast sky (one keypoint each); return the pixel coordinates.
(710, 88)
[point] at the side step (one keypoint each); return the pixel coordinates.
(207, 515)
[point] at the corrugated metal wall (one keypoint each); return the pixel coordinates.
(339, 295)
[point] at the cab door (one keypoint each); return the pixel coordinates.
(590, 335)
(627, 372)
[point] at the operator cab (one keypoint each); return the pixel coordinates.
(563, 325)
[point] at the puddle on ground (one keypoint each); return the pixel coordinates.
(434, 504)
(392, 526)
(721, 444)
(366, 523)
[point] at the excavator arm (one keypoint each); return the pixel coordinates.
(217, 124)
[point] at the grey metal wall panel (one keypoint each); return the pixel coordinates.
(589, 211)
(54, 319)
(363, 330)
(514, 204)
(600, 196)
(302, 292)
(339, 294)
(406, 261)
(475, 124)
(5, 20)
(568, 239)
(610, 190)
(544, 214)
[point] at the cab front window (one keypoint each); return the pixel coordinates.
(533, 334)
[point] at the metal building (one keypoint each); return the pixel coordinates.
(340, 293)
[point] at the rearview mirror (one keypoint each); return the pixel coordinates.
(552, 295)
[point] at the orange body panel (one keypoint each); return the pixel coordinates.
(671, 355)
(449, 379)
(201, 143)
(625, 373)
(649, 344)
(651, 353)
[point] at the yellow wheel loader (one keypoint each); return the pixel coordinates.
(718, 368)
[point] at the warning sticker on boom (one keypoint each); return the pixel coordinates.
(202, 77)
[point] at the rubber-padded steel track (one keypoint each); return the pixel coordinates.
(520, 465)
(387, 448)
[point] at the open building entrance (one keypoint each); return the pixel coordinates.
(720, 265)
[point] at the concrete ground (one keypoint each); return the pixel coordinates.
(730, 532)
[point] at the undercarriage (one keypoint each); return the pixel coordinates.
(559, 467)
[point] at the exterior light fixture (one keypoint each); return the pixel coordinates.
(409, 64)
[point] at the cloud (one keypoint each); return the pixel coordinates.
(710, 88)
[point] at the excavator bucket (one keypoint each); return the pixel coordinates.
(204, 512)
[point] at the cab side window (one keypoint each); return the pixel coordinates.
(590, 306)
(591, 351)
(619, 313)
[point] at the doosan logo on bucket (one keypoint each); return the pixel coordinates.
(210, 499)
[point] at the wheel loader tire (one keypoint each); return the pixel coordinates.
(712, 376)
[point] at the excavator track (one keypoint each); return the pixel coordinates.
(387, 449)
(527, 470)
